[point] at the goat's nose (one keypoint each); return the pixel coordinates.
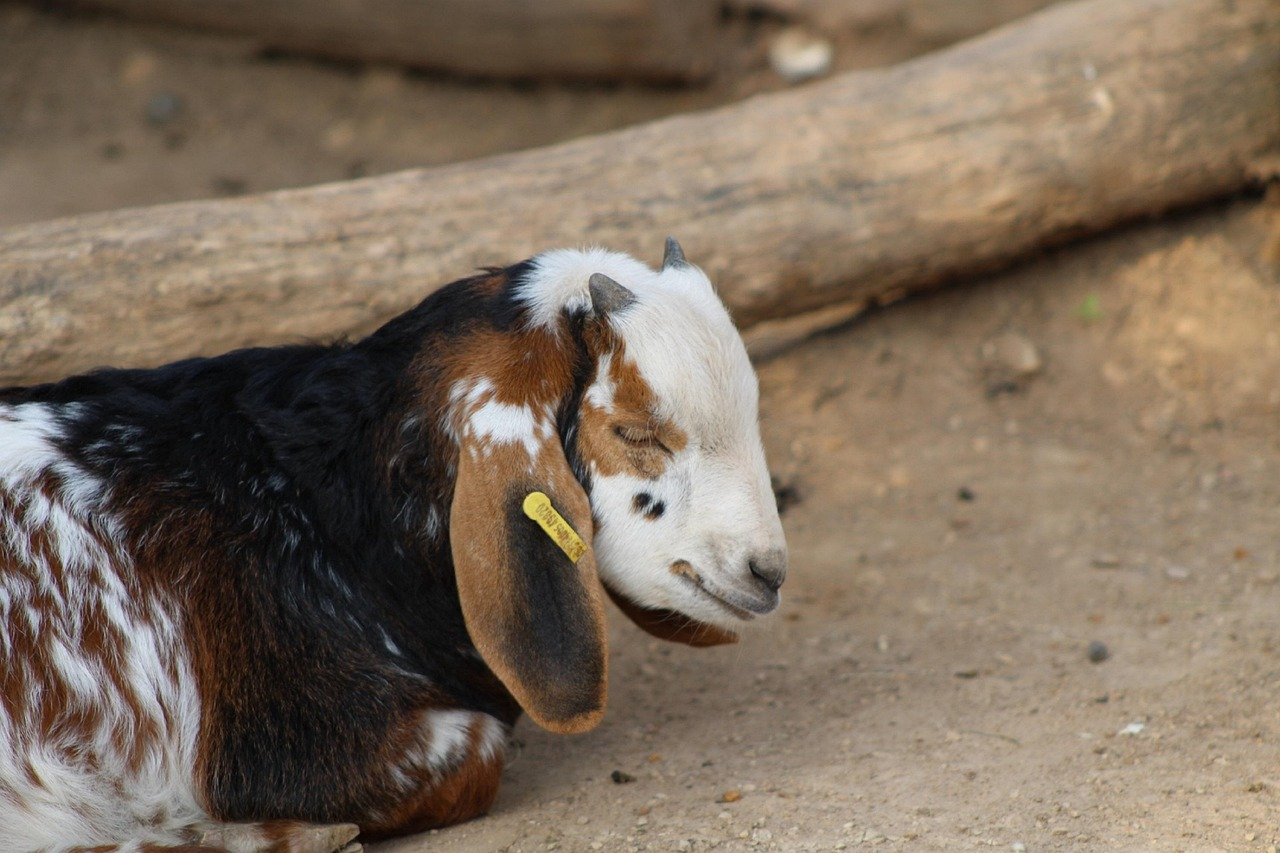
(770, 567)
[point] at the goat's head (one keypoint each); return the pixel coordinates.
(637, 416)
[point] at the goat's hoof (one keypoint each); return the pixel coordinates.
(278, 836)
(317, 838)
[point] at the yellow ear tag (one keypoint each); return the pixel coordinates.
(538, 507)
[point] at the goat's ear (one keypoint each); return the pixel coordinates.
(533, 611)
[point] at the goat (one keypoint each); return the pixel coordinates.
(267, 600)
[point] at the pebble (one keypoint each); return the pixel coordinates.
(1177, 573)
(797, 54)
(1009, 361)
(164, 107)
(1098, 651)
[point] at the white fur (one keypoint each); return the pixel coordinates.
(487, 421)
(601, 391)
(559, 280)
(62, 789)
(447, 738)
(720, 512)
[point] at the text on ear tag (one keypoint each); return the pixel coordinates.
(538, 507)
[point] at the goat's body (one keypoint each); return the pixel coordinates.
(163, 530)
(245, 595)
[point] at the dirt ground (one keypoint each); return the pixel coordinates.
(1034, 600)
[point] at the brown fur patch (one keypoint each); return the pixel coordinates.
(526, 368)
(465, 793)
(634, 412)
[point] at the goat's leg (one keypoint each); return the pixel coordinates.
(448, 766)
(273, 836)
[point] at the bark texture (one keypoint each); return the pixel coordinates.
(855, 190)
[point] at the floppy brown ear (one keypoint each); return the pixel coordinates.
(673, 626)
(535, 615)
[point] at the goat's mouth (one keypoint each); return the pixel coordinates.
(738, 605)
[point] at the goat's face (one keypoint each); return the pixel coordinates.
(686, 521)
(657, 470)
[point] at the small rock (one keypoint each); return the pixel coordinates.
(1098, 651)
(1009, 361)
(227, 185)
(798, 54)
(965, 494)
(138, 68)
(1177, 573)
(621, 778)
(729, 797)
(164, 107)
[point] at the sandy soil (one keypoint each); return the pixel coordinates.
(984, 485)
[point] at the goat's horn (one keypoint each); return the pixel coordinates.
(672, 255)
(607, 295)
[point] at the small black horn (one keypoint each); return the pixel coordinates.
(607, 295)
(673, 255)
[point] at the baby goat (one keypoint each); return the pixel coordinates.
(258, 601)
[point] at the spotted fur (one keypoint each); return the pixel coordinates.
(261, 601)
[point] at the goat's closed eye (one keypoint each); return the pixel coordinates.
(640, 437)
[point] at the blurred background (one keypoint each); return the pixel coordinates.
(114, 104)
(1035, 573)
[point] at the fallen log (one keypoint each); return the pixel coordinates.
(657, 40)
(855, 190)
